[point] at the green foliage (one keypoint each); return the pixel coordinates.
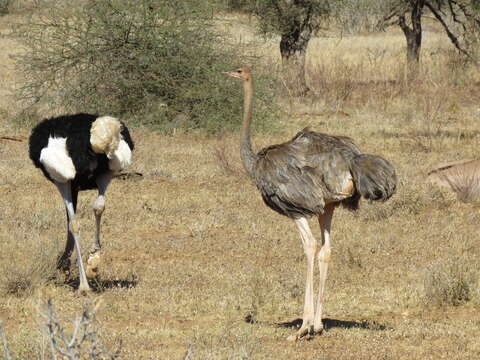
(5, 6)
(236, 5)
(281, 16)
(355, 16)
(156, 62)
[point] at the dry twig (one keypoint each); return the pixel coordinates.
(6, 352)
(83, 343)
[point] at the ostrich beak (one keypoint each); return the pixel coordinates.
(231, 74)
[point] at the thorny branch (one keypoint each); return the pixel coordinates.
(450, 35)
(458, 12)
(82, 344)
(83, 340)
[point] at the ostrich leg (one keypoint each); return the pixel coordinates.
(93, 261)
(309, 245)
(63, 263)
(66, 192)
(323, 257)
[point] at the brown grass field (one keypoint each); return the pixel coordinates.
(190, 250)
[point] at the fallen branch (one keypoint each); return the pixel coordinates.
(14, 138)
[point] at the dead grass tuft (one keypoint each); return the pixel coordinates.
(226, 159)
(20, 278)
(353, 260)
(449, 282)
(334, 83)
(18, 283)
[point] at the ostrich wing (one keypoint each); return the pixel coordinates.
(299, 177)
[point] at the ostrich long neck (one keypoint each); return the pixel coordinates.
(248, 156)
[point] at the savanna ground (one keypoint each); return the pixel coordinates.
(190, 250)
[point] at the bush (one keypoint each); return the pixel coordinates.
(152, 61)
(23, 278)
(354, 16)
(236, 5)
(5, 6)
(82, 343)
(449, 282)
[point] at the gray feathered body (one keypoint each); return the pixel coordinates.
(299, 177)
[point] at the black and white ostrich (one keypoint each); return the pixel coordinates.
(81, 152)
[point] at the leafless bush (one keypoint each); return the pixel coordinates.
(335, 82)
(448, 282)
(82, 343)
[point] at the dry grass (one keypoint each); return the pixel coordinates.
(227, 158)
(195, 265)
(450, 281)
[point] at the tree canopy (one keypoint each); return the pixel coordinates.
(158, 62)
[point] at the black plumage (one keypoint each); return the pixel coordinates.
(76, 129)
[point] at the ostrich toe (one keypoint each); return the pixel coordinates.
(93, 264)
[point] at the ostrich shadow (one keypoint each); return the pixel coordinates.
(101, 285)
(342, 324)
(328, 324)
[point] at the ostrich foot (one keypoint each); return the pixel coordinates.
(84, 289)
(305, 332)
(318, 329)
(93, 264)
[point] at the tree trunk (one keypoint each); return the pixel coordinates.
(413, 36)
(293, 49)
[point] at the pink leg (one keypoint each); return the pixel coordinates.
(309, 245)
(323, 256)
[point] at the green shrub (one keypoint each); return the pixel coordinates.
(155, 62)
(236, 5)
(5, 6)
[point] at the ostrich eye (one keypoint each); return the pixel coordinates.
(239, 71)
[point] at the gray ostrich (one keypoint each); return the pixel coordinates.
(311, 175)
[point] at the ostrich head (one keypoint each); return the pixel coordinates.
(105, 135)
(243, 73)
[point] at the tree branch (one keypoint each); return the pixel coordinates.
(465, 11)
(389, 20)
(450, 34)
(403, 24)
